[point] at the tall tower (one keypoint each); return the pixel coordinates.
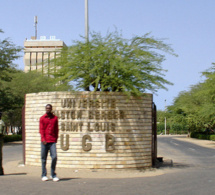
(39, 52)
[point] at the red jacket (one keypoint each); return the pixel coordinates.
(49, 128)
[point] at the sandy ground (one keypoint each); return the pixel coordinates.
(203, 143)
(17, 168)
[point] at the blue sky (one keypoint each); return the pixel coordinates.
(188, 25)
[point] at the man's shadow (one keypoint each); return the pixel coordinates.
(14, 174)
(67, 179)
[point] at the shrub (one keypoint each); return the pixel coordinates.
(12, 138)
(212, 137)
(202, 135)
(194, 134)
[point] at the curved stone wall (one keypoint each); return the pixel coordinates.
(96, 130)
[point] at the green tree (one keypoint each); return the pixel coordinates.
(186, 107)
(207, 110)
(8, 53)
(14, 83)
(175, 122)
(112, 63)
(196, 107)
(21, 84)
(33, 82)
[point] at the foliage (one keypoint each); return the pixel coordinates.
(195, 108)
(212, 137)
(161, 127)
(14, 83)
(112, 63)
(18, 87)
(8, 53)
(171, 128)
(202, 135)
(13, 117)
(175, 124)
(12, 138)
(36, 82)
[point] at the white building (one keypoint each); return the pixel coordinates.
(39, 52)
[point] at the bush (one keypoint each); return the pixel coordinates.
(202, 135)
(212, 137)
(194, 134)
(12, 138)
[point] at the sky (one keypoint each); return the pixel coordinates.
(187, 25)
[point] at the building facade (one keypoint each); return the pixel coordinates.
(39, 52)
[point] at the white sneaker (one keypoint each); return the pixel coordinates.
(44, 178)
(56, 179)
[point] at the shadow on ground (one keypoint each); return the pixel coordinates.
(15, 174)
(67, 179)
(171, 164)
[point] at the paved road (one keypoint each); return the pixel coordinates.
(12, 152)
(194, 174)
(185, 153)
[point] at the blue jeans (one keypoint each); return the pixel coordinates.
(44, 154)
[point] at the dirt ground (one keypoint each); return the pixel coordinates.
(203, 143)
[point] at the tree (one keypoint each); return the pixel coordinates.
(207, 110)
(197, 106)
(112, 63)
(175, 122)
(21, 84)
(14, 83)
(186, 107)
(8, 53)
(33, 82)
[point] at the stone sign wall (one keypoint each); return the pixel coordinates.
(96, 130)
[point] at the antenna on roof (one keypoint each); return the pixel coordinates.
(35, 25)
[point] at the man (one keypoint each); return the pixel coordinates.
(49, 136)
(2, 125)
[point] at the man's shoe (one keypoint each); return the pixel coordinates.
(44, 178)
(56, 179)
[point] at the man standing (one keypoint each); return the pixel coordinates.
(2, 125)
(49, 136)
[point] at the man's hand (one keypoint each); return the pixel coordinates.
(44, 142)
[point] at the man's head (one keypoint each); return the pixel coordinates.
(48, 109)
(0, 115)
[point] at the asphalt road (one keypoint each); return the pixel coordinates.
(193, 173)
(185, 153)
(12, 152)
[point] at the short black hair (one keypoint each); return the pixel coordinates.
(49, 105)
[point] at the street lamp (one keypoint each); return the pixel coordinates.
(86, 21)
(165, 117)
(35, 25)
